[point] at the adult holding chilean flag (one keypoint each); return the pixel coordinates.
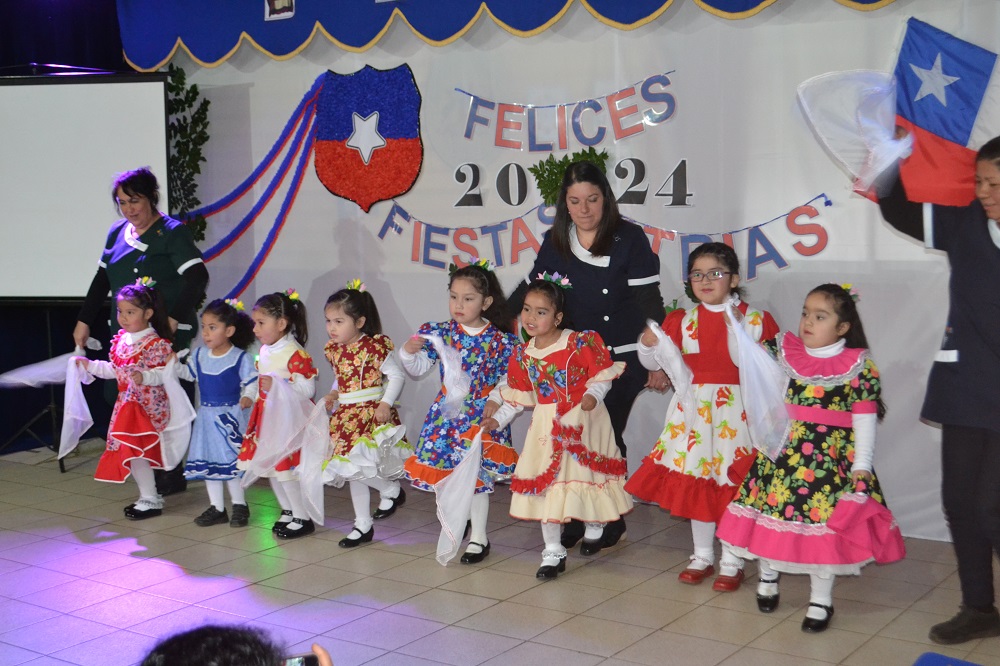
(943, 103)
(946, 96)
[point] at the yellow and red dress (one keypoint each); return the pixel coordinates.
(141, 411)
(570, 466)
(362, 447)
(699, 461)
(289, 361)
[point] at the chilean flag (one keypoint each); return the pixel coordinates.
(368, 146)
(947, 97)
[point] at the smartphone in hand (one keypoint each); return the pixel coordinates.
(308, 659)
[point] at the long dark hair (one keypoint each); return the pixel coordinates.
(724, 254)
(148, 298)
(586, 172)
(281, 306)
(847, 312)
(138, 182)
(990, 152)
(357, 304)
(217, 645)
(556, 296)
(230, 316)
(485, 282)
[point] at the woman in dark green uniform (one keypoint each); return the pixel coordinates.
(147, 243)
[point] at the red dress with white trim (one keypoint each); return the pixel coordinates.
(570, 466)
(141, 412)
(288, 360)
(785, 510)
(698, 463)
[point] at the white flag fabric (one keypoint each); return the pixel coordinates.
(316, 450)
(176, 436)
(762, 384)
(669, 357)
(853, 114)
(454, 495)
(76, 414)
(456, 381)
(51, 371)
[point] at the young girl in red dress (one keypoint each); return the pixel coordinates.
(365, 431)
(280, 325)
(139, 355)
(700, 458)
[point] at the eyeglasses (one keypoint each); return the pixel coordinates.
(711, 276)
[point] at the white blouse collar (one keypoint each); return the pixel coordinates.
(582, 253)
(133, 338)
(994, 227)
(829, 351)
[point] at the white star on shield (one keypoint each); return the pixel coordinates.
(933, 81)
(365, 138)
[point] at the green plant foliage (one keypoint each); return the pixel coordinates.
(187, 133)
(549, 172)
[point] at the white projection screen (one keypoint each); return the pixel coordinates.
(62, 140)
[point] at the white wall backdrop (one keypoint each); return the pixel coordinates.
(749, 159)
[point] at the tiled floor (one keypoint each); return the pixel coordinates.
(80, 584)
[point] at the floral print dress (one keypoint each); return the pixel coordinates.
(141, 411)
(443, 442)
(783, 508)
(570, 466)
(699, 460)
(362, 447)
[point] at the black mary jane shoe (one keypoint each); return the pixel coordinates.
(281, 523)
(348, 542)
(140, 512)
(572, 533)
(476, 558)
(397, 502)
(767, 603)
(589, 548)
(286, 531)
(815, 626)
(551, 570)
(613, 532)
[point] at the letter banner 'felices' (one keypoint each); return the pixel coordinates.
(368, 146)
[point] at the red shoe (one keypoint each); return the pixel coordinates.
(695, 576)
(729, 583)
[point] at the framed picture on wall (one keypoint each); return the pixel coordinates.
(275, 10)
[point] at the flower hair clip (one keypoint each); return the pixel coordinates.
(560, 281)
(292, 294)
(357, 285)
(484, 264)
(145, 281)
(851, 291)
(235, 304)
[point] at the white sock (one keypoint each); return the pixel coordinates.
(216, 494)
(236, 491)
(729, 564)
(593, 531)
(479, 515)
(294, 494)
(387, 491)
(703, 535)
(144, 478)
(768, 585)
(280, 494)
(361, 500)
(820, 592)
(554, 551)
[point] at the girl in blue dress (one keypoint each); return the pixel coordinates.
(479, 329)
(225, 374)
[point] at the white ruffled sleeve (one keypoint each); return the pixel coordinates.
(396, 378)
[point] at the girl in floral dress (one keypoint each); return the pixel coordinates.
(807, 512)
(570, 467)
(700, 459)
(139, 354)
(280, 324)
(480, 330)
(365, 431)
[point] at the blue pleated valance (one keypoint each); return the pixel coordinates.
(152, 30)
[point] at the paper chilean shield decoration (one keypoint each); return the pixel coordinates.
(368, 146)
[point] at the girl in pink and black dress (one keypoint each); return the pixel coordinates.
(818, 509)
(139, 353)
(280, 324)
